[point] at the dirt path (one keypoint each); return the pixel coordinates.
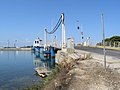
(85, 75)
(91, 75)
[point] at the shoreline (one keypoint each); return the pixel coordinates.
(80, 71)
(15, 49)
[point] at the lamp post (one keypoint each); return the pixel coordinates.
(78, 30)
(15, 43)
(88, 41)
(81, 33)
(45, 36)
(103, 41)
(8, 43)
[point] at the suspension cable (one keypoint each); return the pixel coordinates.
(55, 29)
(56, 26)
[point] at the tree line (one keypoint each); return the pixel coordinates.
(112, 41)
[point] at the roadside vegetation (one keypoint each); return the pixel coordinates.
(112, 41)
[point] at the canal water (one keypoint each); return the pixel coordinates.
(17, 69)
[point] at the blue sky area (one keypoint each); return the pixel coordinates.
(25, 20)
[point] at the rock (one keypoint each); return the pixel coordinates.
(74, 56)
(70, 50)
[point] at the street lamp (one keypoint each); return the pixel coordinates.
(8, 43)
(45, 36)
(15, 43)
(88, 41)
(78, 30)
(81, 33)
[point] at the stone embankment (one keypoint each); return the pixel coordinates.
(79, 70)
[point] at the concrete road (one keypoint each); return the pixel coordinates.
(109, 52)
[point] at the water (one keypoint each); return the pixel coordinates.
(17, 69)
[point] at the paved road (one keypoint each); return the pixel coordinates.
(100, 51)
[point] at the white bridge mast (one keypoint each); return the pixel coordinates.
(63, 32)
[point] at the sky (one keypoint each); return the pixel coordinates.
(25, 20)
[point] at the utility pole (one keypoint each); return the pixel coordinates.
(103, 41)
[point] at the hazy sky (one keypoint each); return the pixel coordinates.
(25, 20)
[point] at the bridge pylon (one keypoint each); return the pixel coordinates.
(63, 32)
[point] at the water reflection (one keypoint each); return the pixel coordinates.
(9, 54)
(1, 52)
(17, 70)
(43, 63)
